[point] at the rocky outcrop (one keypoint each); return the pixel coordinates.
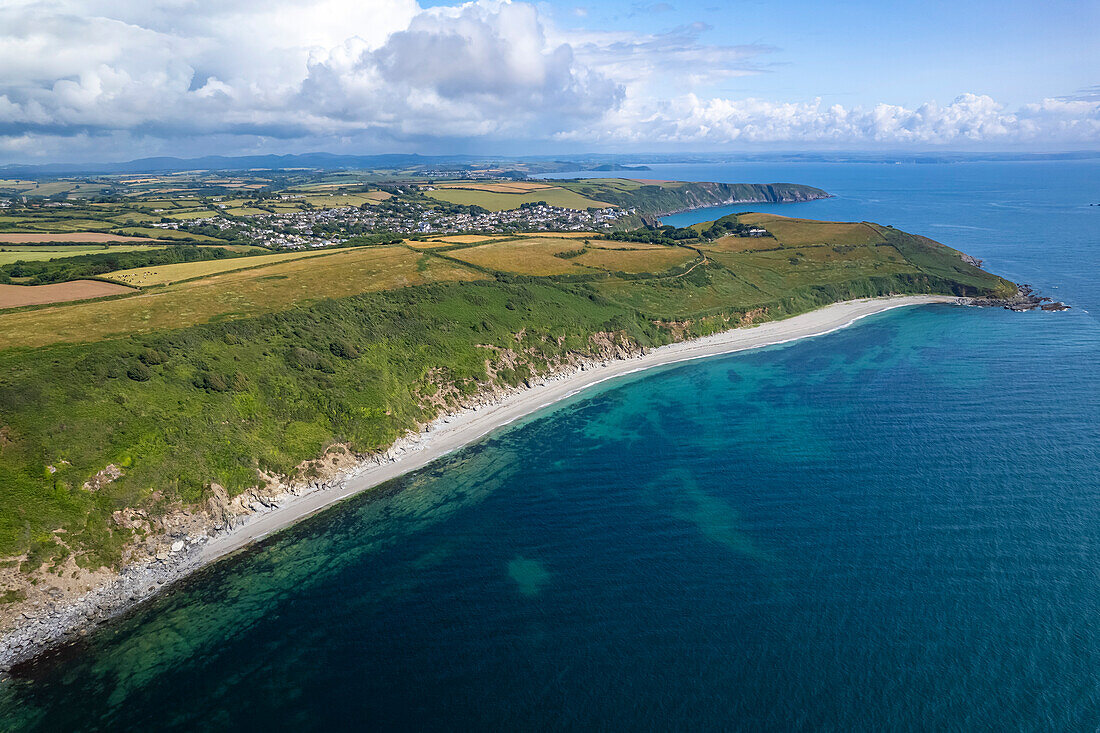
(1025, 299)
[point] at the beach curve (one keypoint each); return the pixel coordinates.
(140, 581)
(457, 430)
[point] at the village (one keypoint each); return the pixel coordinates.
(315, 228)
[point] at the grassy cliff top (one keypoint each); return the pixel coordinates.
(218, 370)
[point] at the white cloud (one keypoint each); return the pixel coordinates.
(114, 77)
(970, 119)
(481, 69)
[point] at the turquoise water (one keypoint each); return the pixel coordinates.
(895, 526)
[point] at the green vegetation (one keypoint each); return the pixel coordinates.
(241, 293)
(177, 270)
(77, 266)
(13, 595)
(730, 225)
(217, 378)
(656, 198)
(32, 252)
(500, 201)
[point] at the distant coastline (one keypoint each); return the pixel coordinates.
(271, 513)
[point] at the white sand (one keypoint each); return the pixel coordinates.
(456, 431)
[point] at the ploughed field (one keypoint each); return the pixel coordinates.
(16, 296)
(226, 366)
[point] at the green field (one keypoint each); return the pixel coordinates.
(186, 215)
(154, 233)
(801, 232)
(524, 256)
(25, 253)
(494, 201)
(235, 371)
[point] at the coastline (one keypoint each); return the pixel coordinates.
(59, 622)
(737, 202)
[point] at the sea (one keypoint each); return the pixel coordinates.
(895, 526)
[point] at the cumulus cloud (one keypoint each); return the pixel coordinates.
(112, 77)
(480, 69)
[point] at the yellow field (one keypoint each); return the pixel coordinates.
(231, 295)
(536, 256)
(143, 277)
(803, 232)
(612, 244)
(463, 239)
(566, 235)
(657, 259)
(438, 244)
(524, 256)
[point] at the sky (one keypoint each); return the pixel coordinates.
(100, 80)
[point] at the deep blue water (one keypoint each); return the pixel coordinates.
(892, 527)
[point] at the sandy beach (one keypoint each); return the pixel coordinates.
(57, 621)
(455, 431)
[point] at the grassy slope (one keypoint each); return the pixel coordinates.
(179, 407)
(657, 199)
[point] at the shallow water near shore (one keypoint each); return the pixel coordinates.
(893, 526)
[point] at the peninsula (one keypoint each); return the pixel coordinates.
(233, 388)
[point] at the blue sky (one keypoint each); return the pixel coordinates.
(116, 79)
(869, 52)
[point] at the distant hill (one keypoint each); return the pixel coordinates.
(529, 163)
(326, 161)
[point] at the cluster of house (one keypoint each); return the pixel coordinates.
(541, 217)
(324, 227)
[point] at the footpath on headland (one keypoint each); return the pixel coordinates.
(460, 429)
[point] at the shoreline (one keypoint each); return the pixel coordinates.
(457, 430)
(737, 202)
(67, 620)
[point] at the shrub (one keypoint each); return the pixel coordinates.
(152, 357)
(211, 382)
(344, 349)
(139, 373)
(303, 358)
